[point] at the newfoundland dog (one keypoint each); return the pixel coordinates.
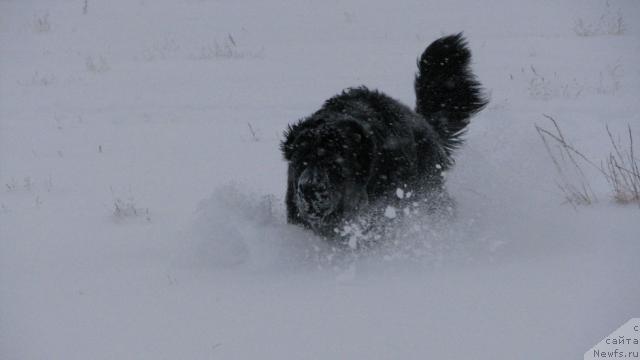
(363, 152)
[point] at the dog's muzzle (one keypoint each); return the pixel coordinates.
(313, 194)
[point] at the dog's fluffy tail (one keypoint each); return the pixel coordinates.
(447, 92)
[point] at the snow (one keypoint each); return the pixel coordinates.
(141, 209)
(390, 212)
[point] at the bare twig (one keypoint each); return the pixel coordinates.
(575, 194)
(560, 138)
(253, 133)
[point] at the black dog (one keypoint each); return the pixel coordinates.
(363, 149)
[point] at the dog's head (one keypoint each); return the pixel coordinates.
(329, 167)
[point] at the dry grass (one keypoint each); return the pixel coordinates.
(622, 171)
(41, 23)
(620, 168)
(610, 22)
(226, 49)
(96, 65)
(126, 208)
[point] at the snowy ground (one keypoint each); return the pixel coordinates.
(141, 210)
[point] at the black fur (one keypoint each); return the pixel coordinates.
(353, 154)
(447, 93)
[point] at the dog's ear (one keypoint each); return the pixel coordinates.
(365, 156)
(362, 140)
(289, 146)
